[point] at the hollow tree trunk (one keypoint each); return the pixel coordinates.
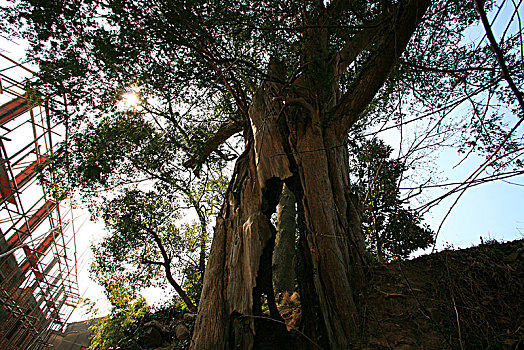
(284, 254)
(315, 163)
(297, 135)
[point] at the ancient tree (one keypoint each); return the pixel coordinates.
(298, 80)
(296, 133)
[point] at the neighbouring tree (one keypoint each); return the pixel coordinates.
(296, 78)
(391, 230)
(126, 170)
(143, 244)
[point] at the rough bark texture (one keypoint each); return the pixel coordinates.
(297, 134)
(313, 159)
(242, 233)
(284, 254)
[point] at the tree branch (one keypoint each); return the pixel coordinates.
(498, 53)
(354, 46)
(224, 132)
(447, 70)
(169, 275)
(378, 67)
(151, 262)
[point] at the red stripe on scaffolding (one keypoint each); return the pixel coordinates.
(25, 230)
(34, 257)
(16, 107)
(6, 186)
(13, 109)
(28, 173)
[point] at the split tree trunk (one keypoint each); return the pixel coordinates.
(315, 164)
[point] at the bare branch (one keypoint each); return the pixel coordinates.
(498, 53)
(224, 132)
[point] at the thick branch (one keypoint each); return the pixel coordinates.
(224, 132)
(354, 46)
(498, 53)
(379, 65)
(169, 275)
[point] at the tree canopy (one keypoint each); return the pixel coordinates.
(300, 80)
(198, 64)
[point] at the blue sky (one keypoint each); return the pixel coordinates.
(492, 210)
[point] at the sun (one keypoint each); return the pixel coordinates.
(131, 100)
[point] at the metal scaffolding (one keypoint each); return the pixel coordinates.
(38, 277)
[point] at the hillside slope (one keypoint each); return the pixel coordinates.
(464, 299)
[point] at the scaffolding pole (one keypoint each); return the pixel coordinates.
(38, 267)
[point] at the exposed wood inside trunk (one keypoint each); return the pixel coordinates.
(284, 253)
(297, 133)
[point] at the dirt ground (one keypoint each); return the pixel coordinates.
(464, 299)
(455, 299)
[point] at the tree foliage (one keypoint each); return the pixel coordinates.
(392, 230)
(111, 331)
(133, 325)
(202, 62)
(129, 173)
(296, 77)
(94, 52)
(144, 245)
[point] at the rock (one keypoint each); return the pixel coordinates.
(152, 337)
(189, 317)
(156, 324)
(181, 332)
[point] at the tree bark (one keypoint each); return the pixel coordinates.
(284, 254)
(234, 281)
(315, 163)
(298, 135)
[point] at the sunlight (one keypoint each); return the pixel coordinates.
(130, 100)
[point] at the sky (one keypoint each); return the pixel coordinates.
(491, 211)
